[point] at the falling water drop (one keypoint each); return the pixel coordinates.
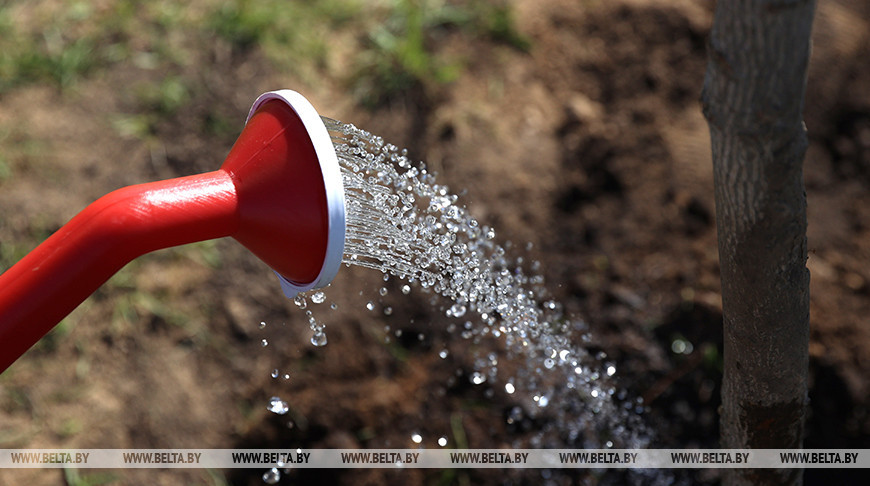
(456, 310)
(300, 301)
(272, 476)
(477, 378)
(319, 338)
(276, 405)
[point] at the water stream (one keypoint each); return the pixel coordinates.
(403, 223)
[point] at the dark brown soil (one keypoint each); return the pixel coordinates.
(590, 146)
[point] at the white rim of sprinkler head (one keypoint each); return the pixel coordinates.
(328, 161)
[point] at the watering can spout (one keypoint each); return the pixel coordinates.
(289, 184)
(279, 193)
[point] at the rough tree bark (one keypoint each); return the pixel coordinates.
(753, 101)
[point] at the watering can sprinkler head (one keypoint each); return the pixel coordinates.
(290, 194)
(279, 193)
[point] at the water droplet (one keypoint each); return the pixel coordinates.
(509, 388)
(611, 370)
(457, 310)
(442, 441)
(443, 354)
(406, 289)
(318, 297)
(262, 325)
(264, 343)
(318, 338)
(272, 476)
(383, 291)
(515, 415)
(416, 438)
(370, 305)
(388, 311)
(275, 373)
(477, 378)
(300, 301)
(286, 376)
(276, 405)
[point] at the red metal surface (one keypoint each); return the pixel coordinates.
(268, 195)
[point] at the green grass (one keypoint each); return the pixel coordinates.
(18, 151)
(400, 53)
(496, 21)
(403, 51)
(5, 169)
(294, 36)
(76, 477)
(244, 23)
(57, 53)
(154, 102)
(383, 49)
(62, 43)
(396, 44)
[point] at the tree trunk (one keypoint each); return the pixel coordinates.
(753, 100)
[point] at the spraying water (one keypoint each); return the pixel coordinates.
(401, 222)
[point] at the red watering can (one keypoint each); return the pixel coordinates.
(279, 193)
